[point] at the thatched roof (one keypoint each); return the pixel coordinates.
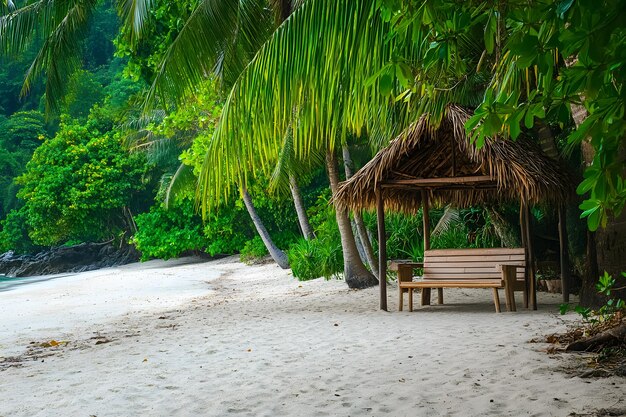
(519, 170)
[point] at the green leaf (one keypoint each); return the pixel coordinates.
(529, 119)
(593, 219)
(492, 124)
(385, 83)
(473, 122)
(585, 186)
(515, 124)
(404, 74)
(563, 7)
(490, 33)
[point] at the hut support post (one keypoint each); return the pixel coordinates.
(382, 249)
(530, 266)
(564, 254)
(525, 246)
(425, 298)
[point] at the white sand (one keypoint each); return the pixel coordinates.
(219, 338)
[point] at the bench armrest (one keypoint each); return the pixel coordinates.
(397, 264)
(516, 265)
(405, 269)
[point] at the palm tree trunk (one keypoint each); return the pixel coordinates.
(355, 273)
(277, 255)
(303, 218)
(358, 219)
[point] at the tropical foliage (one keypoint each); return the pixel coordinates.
(549, 62)
(251, 98)
(81, 185)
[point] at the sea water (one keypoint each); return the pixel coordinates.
(8, 283)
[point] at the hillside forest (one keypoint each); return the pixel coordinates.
(219, 128)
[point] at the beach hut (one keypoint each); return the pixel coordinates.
(426, 166)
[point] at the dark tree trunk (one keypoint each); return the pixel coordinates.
(277, 255)
(355, 273)
(606, 248)
(610, 244)
(303, 218)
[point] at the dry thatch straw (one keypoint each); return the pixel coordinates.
(520, 171)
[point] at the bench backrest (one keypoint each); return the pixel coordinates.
(471, 263)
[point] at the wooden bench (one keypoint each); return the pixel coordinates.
(464, 268)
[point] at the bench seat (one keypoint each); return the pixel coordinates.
(464, 268)
(444, 283)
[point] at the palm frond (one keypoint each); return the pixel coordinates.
(59, 55)
(135, 14)
(18, 26)
(7, 6)
(181, 182)
(219, 37)
(317, 61)
(284, 8)
(61, 23)
(289, 166)
(135, 131)
(450, 216)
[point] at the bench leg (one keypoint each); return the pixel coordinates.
(425, 296)
(400, 300)
(440, 295)
(508, 272)
(507, 299)
(411, 299)
(511, 295)
(496, 299)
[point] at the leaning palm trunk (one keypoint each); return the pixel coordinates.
(277, 255)
(355, 273)
(358, 219)
(303, 218)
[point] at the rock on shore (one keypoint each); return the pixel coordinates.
(78, 258)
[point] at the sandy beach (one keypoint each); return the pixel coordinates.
(218, 338)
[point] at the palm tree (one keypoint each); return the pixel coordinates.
(331, 100)
(177, 75)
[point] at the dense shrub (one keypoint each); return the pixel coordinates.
(80, 185)
(228, 230)
(168, 233)
(252, 250)
(310, 259)
(14, 233)
(321, 256)
(20, 135)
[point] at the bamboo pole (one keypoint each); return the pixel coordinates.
(564, 254)
(525, 246)
(531, 260)
(382, 249)
(425, 298)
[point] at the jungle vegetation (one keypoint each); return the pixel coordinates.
(224, 127)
